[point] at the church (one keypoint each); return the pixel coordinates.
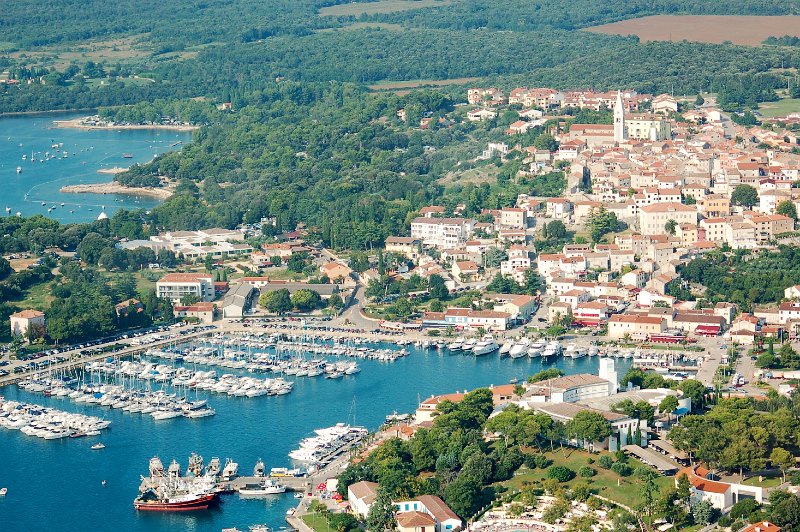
(639, 126)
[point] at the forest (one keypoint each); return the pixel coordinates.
(192, 50)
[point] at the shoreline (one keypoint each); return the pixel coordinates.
(78, 123)
(116, 188)
(11, 114)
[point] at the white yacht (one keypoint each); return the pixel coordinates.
(469, 345)
(456, 346)
(485, 346)
(520, 348)
(506, 348)
(536, 349)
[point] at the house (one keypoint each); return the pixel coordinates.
(558, 208)
(361, 495)
(203, 311)
(25, 319)
(176, 286)
(426, 411)
(788, 311)
(514, 218)
(405, 245)
(465, 270)
(634, 326)
(519, 307)
(238, 300)
(721, 495)
(762, 526)
(793, 292)
(621, 424)
(664, 104)
(129, 305)
(653, 218)
(410, 513)
(336, 272)
(415, 521)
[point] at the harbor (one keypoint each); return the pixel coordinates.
(266, 428)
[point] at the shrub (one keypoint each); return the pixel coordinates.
(560, 473)
(590, 460)
(606, 461)
(587, 472)
(622, 469)
(581, 492)
(542, 462)
(555, 512)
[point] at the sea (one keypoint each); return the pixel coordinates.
(35, 190)
(57, 485)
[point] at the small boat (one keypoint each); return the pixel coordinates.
(3, 492)
(298, 495)
(127, 156)
(19, 169)
(265, 487)
(97, 446)
(259, 528)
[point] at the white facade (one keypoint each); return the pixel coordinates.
(175, 286)
(443, 233)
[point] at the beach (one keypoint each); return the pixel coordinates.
(116, 188)
(81, 123)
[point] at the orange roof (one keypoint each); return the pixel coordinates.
(28, 314)
(414, 519)
(184, 277)
(762, 526)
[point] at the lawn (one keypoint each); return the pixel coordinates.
(317, 522)
(780, 108)
(283, 274)
(766, 481)
(624, 490)
(37, 297)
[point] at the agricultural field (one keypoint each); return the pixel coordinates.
(355, 9)
(780, 108)
(744, 30)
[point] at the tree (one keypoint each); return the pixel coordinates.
(359, 262)
(436, 287)
(783, 459)
(668, 405)
(670, 226)
(787, 208)
(545, 141)
(589, 426)
(305, 300)
(561, 473)
(702, 512)
(493, 257)
(699, 100)
(5, 268)
(463, 496)
(335, 302)
(381, 513)
(276, 301)
(695, 390)
(601, 223)
(744, 196)
(555, 230)
(545, 374)
(648, 490)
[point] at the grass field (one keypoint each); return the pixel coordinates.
(605, 482)
(374, 8)
(365, 26)
(415, 84)
(37, 297)
(317, 522)
(745, 30)
(780, 108)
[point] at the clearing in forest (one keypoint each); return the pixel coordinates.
(745, 30)
(375, 8)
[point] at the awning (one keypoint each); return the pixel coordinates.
(707, 329)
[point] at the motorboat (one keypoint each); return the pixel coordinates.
(506, 347)
(520, 348)
(265, 487)
(485, 346)
(97, 446)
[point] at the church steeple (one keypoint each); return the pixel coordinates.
(619, 119)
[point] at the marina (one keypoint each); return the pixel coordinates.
(37, 159)
(268, 428)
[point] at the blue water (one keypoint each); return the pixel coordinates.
(56, 485)
(89, 151)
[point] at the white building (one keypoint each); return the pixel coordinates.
(175, 286)
(361, 495)
(25, 319)
(443, 233)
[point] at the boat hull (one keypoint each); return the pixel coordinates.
(201, 503)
